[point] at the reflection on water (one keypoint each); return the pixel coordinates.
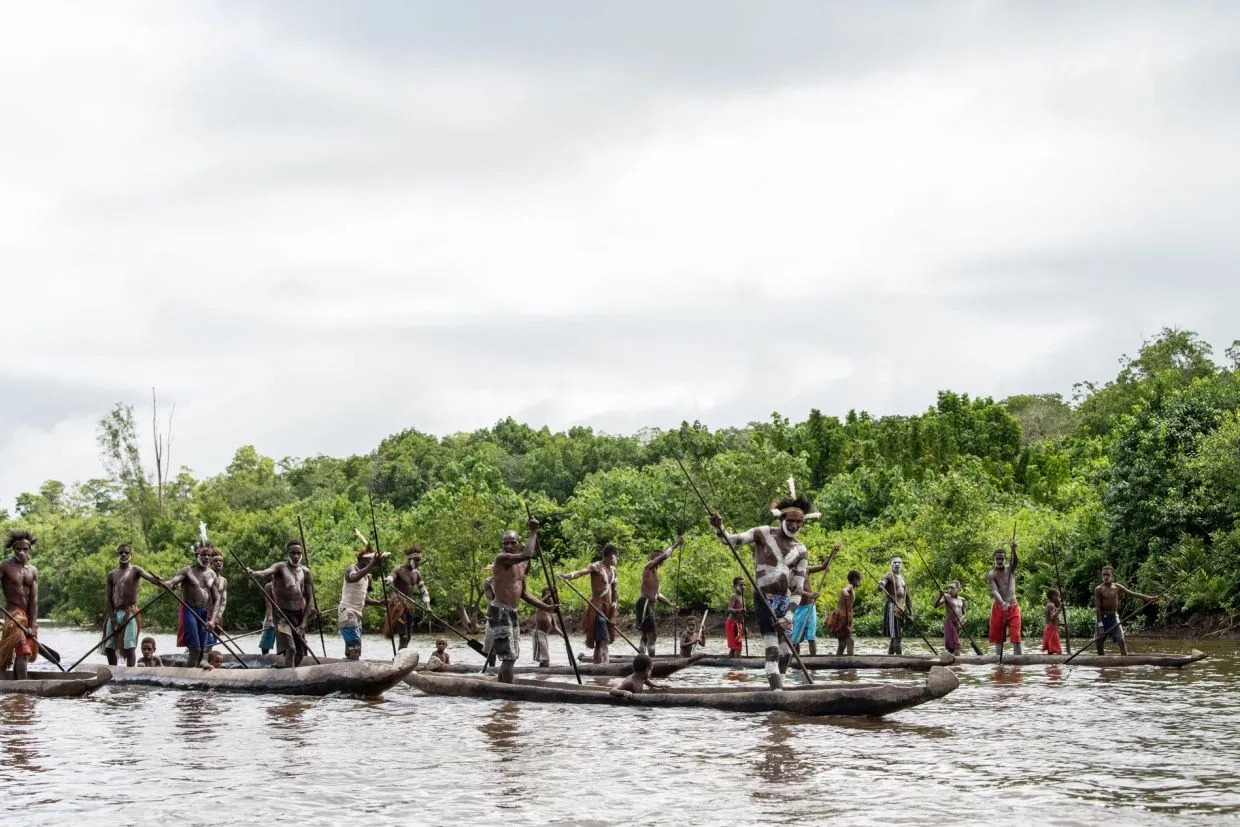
(782, 760)
(1130, 746)
(18, 735)
(503, 736)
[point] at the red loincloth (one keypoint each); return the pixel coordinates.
(735, 632)
(13, 640)
(996, 622)
(1050, 640)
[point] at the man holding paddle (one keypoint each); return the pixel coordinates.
(600, 614)
(293, 587)
(20, 580)
(1004, 611)
(508, 581)
(122, 624)
(643, 609)
(404, 580)
(198, 596)
(780, 563)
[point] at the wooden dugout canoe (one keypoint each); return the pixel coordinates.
(1088, 659)
(915, 662)
(660, 668)
(873, 700)
(364, 678)
(56, 684)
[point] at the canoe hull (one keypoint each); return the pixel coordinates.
(822, 662)
(871, 700)
(660, 669)
(361, 678)
(1101, 661)
(56, 684)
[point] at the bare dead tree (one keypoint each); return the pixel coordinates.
(163, 448)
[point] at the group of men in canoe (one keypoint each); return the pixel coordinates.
(786, 611)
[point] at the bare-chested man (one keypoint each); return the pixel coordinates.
(840, 621)
(508, 582)
(734, 626)
(600, 612)
(20, 582)
(404, 580)
(1106, 607)
(805, 618)
(293, 587)
(780, 561)
(897, 606)
(197, 584)
(122, 624)
(1004, 611)
(643, 610)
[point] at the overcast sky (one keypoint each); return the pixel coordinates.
(311, 225)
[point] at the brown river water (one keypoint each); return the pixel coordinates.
(1013, 745)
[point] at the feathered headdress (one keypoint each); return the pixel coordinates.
(794, 505)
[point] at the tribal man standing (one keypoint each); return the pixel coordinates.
(508, 581)
(198, 593)
(600, 613)
(404, 580)
(643, 610)
(354, 598)
(293, 587)
(780, 561)
(20, 582)
(122, 623)
(1004, 611)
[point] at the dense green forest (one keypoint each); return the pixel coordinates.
(1142, 472)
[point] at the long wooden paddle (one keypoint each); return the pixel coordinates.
(472, 642)
(600, 613)
(1063, 601)
(951, 611)
(374, 525)
(1138, 611)
(758, 599)
(899, 610)
(118, 632)
(555, 596)
(292, 627)
(47, 651)
(314, 597)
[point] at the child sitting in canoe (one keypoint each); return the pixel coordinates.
(635, 683)
(214, 661)
(440, 657)
(149, 658)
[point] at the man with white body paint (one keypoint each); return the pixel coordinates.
(780, 563)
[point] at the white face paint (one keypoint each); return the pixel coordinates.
(896, 563)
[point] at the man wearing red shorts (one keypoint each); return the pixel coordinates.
(1004, 611)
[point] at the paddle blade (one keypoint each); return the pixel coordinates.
(976, 649)
(50, 653)
(476, 646)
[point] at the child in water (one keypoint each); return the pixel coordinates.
(148, 653)
(440, 657)
(635, 683)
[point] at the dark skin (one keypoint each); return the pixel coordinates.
(366, 562)
(508, 580)
(636, 683)
(736, 609)
(293, 589)
(20, 582)
(603, 587)
(121, 592)
(650, 585)
(404, 580)
(1106, 601)
(546, 622)
(197, 584)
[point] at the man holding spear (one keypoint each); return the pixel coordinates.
(20, 582)
(198, 596)
(1004, 611)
